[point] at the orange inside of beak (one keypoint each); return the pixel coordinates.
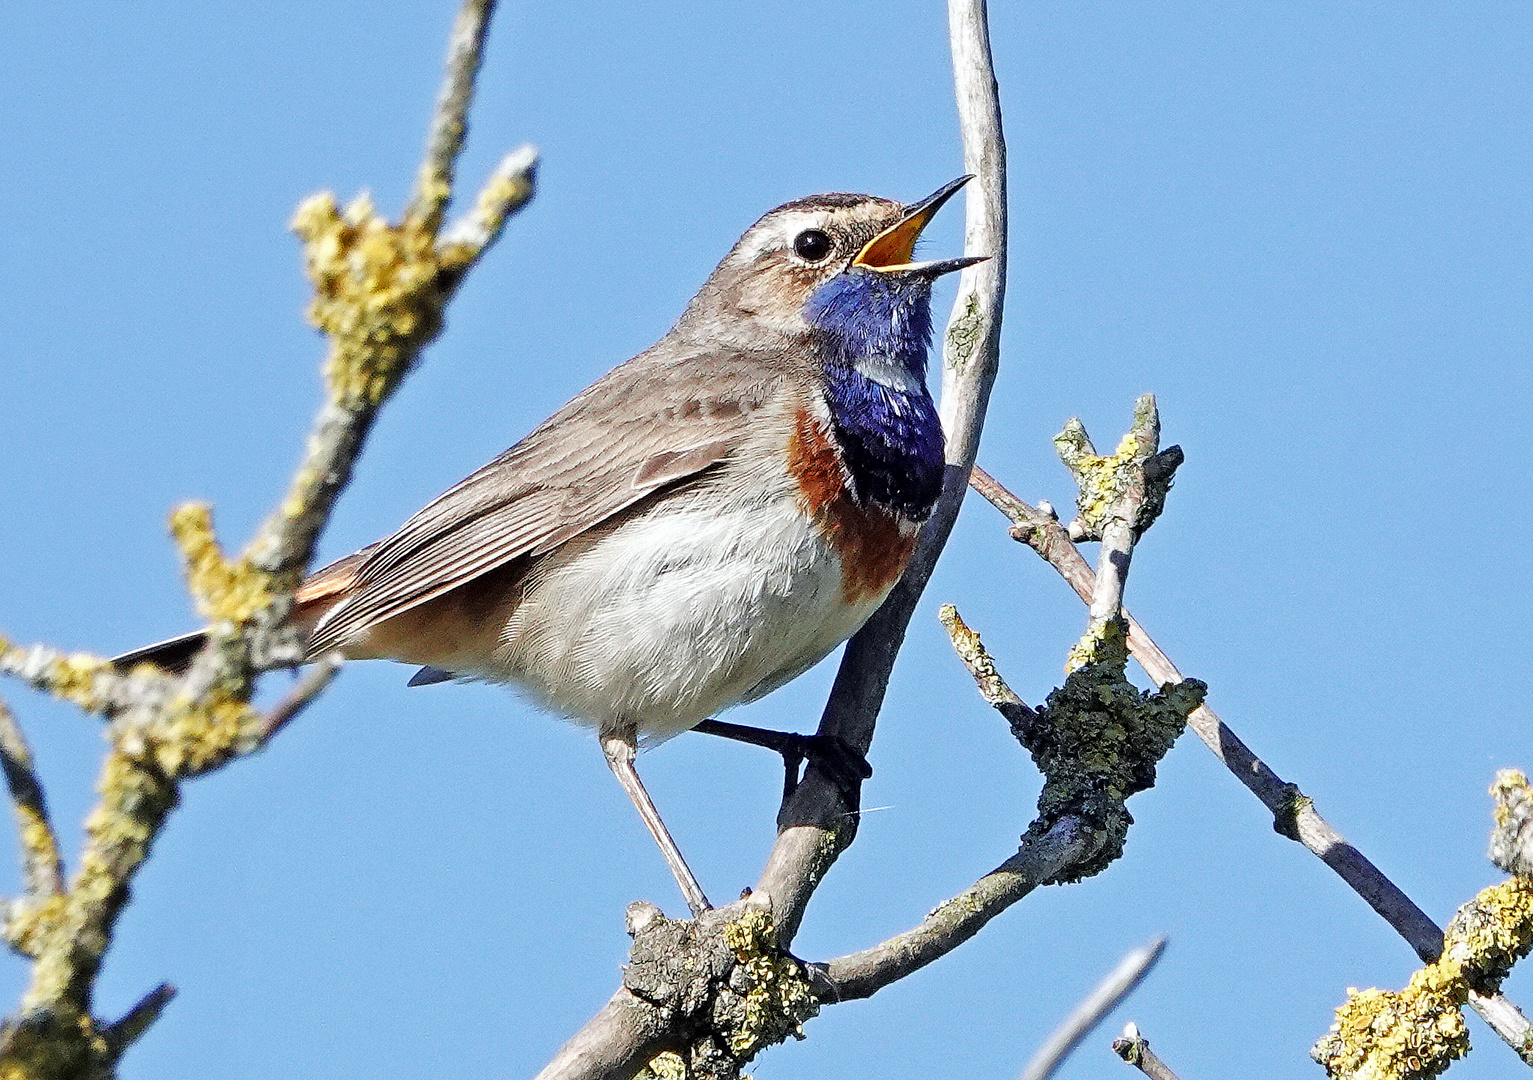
(893, 247)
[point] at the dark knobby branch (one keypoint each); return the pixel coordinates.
(1134, 1048)
(380, 292)
(1096, 740)
(1093, 1009)
(1294, 814)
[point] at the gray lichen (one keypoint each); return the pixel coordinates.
(1097, 740)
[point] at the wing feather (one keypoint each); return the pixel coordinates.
(648, 424)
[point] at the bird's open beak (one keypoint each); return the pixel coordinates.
(891, 249)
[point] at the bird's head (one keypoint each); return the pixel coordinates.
(821, 261)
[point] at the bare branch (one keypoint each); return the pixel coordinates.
(314, 683)
(509, 188)
(1039, 860)
(814, 826)
(1135, 1049)
(42, 867)
(449, 125)
(1294, 814)
(127, 1031)
(1093, 1009)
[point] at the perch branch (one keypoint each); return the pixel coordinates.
(814, 825)
(1294, 814)
(1082, 819)
(1093, 1009)
(1134, 1048)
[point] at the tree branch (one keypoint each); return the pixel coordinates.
(1093, 1009)
(1039, 860)
(1294, 814)
(41, 865)
(814, 826)
(1135, 1049)
(380, 292)
(1082, 819)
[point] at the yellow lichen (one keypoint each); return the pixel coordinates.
(778, 999)
(32, 922)
(1104, 642)
(665, 1065)
(1102, 480)
(1509, 784)
(1418, 1032)
(194, 736)
(81, 679)
(224, 590)
(377, 294)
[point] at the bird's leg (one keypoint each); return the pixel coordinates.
(620, 748)
(842, 763)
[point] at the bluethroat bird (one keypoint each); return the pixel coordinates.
(696, 528)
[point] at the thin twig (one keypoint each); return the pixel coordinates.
(1039, 859)
(127, 1031)
(1135, 1049)
(42, 867)
(449, 124)
(314, 683)
(1093, 1009)
(992, 686)
(1294, 814)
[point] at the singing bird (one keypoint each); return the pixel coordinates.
(697, 527)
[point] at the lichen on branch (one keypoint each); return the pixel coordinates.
(378, 294)
(1098, 738)
(1417, 1032)
(721, 983)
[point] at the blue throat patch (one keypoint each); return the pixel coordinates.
(890, 436)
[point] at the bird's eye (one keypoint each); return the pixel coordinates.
(811, 245)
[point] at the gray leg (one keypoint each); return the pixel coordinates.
(620, 749)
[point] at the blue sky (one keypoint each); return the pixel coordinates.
(1304, 226)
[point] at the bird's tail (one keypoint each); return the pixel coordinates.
(320, 592)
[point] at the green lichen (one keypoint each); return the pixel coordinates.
(963, 335)
(1098, 738)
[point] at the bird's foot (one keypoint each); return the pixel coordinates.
(842, 763)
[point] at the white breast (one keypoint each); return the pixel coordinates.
(677, 614)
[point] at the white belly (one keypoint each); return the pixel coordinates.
(678, 614)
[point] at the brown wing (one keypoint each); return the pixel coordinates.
(652, 422)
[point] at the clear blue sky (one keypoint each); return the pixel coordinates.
(1305, 226)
